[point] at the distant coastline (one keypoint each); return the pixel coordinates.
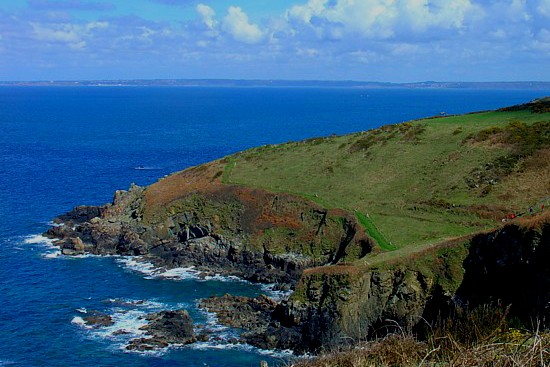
(528, 85)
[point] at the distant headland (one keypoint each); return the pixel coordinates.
(532, 85)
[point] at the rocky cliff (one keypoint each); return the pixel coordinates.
(296, 243)
(295, 215)
(343, 304)
(251, 233)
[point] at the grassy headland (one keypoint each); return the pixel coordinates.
(415, 183)
(395, 223)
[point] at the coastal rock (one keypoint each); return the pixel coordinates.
(255, 317)
(322, 254)
(241, 312)
(228, 230)
(98, 319)
(73, 246)
(338, 305)
(165, 328)
(80, 214)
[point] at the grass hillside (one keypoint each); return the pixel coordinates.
(415, 183)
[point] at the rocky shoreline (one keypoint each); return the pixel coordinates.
(303, 248)
(93, 230)
(82, 230)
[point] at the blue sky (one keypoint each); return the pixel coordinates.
(370, 40)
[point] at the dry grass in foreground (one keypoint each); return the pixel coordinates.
(479, 337)
(397, 350)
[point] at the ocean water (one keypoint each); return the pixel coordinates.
(62, 147)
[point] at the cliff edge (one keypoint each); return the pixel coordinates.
(398, 223)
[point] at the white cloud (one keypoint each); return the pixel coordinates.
(404, 49)
(236, 23)
(207, 14)
(307, 11)
(423, 14)
(71, 34)
(382, 18)
(542, 41)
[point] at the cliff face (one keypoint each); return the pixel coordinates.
(346, 304)
(511, 265)
(339, 297)
(260, 236)
(258, 215)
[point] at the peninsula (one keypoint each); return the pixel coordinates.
(397, 225)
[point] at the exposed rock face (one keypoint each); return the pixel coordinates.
(255, 316)
(259, 236)
(280, 238)
(511, 266)
(339, 305)
(335, 309)
(98, 319)
(165, 328)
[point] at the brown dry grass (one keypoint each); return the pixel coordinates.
(479, 337)
(533, 178)
(203, 178)
(515, 349)
(393, 350)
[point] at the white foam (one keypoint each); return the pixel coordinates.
(276, 295)
(140, 265)
(77, 320)
(51, 251)
(38, 239)
(179, 273)
(225, 278)
(51, 255)
(121, 304)
(128, 317)
(137, 264)
(212, 324)
(128, 322)
(240, 346)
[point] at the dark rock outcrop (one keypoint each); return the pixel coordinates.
(510, 266)
(338, 305)
(256, 317)
(280, 238)
(98, 319)
(165, 328)
(253, 234)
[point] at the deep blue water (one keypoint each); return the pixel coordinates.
(61, 147)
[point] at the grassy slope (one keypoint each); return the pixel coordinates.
(410, 178)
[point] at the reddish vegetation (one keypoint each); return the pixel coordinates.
(534, 221)
(203, 179)
(265, 210)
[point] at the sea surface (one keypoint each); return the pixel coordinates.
(62, 146)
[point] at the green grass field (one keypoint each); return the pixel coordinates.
(420, 182)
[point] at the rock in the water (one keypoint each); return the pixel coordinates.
(165, 328)
(255, 316)
(98, 319)
(241, 312)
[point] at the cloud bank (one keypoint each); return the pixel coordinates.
(390, 40)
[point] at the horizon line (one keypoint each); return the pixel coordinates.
(269, 80)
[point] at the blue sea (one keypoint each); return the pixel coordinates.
(62, 146)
